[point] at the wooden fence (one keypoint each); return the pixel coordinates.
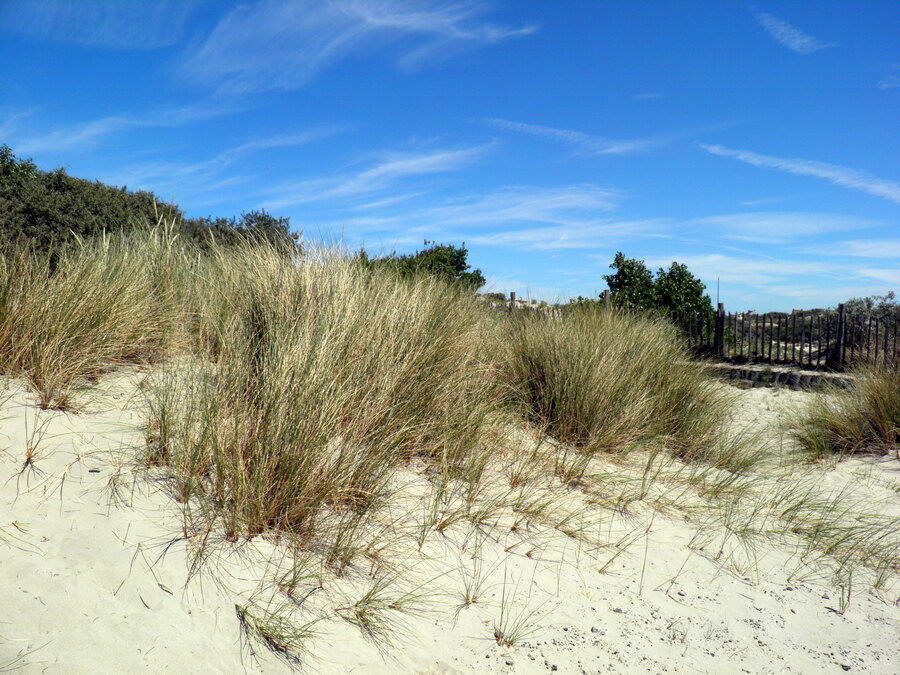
(828, 339)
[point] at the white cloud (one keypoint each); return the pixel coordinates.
(585, 143)
(733, 269)
(206, 176)
(862, 248)
(117, 24)
(569, 236)
(391, 168)
(78, 135)
(839, 175)
(780, 226)
(575, 206)
(892, 81)
(889, 276)
(388, 201)
(788, 36)
(516, 218)
(283, 44)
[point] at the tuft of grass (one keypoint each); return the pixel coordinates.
(865, 418)
(514, 623)
(314, 382)
(69, 315)
(377, 613)
(602, 380)
(276, 631)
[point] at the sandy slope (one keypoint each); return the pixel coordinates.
(94, 570)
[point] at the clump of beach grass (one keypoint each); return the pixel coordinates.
(313, 382)
(607, 381)
(864, 418)
(69, 314)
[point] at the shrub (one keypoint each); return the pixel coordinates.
(673, 291)
(45, 208)
(443, 261)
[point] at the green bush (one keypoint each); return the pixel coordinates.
(45, 208)
(442, 261)
(673, 291)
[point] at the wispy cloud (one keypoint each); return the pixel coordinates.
(893, 80)
(196, 178)
(574, 206)
(793, 38)
(780, 226)
(559, 237)
(839, 175)
(648, 96)
(79, 135)
(734, 269)
(117, 24)
(889, 276)
(390, 168)
(861, 248)
(283, 44)
(515, 218)
(583, 143)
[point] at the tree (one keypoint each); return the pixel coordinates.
(680, 292)
(632, 283)
(443, 261)
(673, 291)
(879, 307)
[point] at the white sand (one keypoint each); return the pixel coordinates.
(95, 580)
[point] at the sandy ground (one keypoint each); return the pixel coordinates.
(94, 578)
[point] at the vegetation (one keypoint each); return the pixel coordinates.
(442, 261)
(865, 418)
(672, 291)
(604, 381)
(48, 208)
(356, 412)
(315, 382)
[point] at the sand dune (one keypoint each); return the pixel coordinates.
(95, 573)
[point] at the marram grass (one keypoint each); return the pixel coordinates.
(864, 418)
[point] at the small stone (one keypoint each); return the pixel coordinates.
(553, 668)
(594, 629)
(682, 594)
(508, 662)
(845, 666)
(618, 610)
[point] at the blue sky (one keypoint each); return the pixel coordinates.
(756, 142)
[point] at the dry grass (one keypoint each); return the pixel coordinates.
(314, 382)
(67, 318)
(865, 418)
(289, 395)
(609, 381)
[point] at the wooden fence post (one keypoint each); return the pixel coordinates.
(720, 330)
(512, 300)
(836, 354)
(606, 299)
